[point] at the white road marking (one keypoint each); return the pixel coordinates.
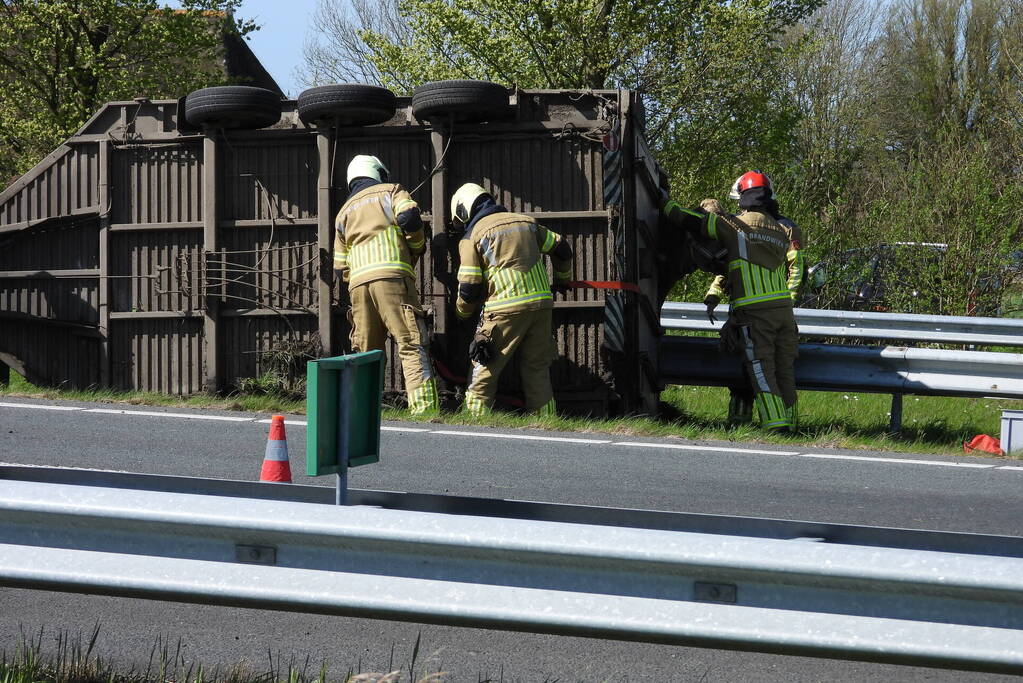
(717, 449)
(38, 407)
(524, 437)
(529, 437)
(905, 461)
(186, 416)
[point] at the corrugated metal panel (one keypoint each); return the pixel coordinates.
(589, 239)
(157, 355)
(71, 245)
(61, 355)
(261, 178)
(156, 270)
(253, 345)
(69, 184)
(276, 176)
(409, 159)
(531, 172)
(268, 267)
(157, 184)
(68, 299)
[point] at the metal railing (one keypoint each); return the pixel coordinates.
(908, 327)
(800, 595)
(882, 369)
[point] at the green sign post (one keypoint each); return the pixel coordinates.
(343, 406)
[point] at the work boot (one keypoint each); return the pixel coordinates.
(740, 409)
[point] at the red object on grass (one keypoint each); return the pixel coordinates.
(984, 443)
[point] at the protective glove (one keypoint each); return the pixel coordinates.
(711, 301)
(561, 287)
(481, 350)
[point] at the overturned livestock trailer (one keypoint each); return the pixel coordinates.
(176, 246)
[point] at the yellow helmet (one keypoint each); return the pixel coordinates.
(463, 199)
(366, 166)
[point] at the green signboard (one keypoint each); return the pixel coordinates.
(343, 406)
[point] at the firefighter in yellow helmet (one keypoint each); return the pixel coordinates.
(378, 238)
(761, 326)
(502, 269)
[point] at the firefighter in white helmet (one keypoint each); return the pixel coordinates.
(379, 236)
(502, 269)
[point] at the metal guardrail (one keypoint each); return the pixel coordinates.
(792, 596)
(908, 327)
(827, 367)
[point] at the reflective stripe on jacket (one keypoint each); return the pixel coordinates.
(757, 246)
(369, 245)
(505, 251)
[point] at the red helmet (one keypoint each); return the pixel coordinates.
(749, 181)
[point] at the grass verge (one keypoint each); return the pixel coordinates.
(827, 419)
(73, 660)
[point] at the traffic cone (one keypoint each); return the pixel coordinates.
(275, 462)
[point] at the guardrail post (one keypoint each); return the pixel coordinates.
(5, 375)
(895, 425)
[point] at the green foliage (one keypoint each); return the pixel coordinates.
(710, 70)
(59, 61)
(924, 153)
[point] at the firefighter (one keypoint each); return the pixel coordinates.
(502, 270)
(761, 325)
(379, 236)
(740, 406)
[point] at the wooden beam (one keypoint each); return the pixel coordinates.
(105, 202)
(211, 302)
(53, 274)
(325, 244)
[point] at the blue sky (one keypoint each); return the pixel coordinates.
(278, 43)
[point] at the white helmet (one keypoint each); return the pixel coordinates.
(463, 199)
(365, 166)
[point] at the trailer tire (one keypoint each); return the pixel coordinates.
(462, 101)
(233, 106)
(352, 104)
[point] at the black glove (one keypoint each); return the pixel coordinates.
(711, 301)
(561, 287)
(481, 350)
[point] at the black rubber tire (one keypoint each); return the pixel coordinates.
(350, 104)
(462, 101)
(233, 106)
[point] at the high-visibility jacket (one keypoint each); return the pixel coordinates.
(505, 252)
(794, 259)
(369, 245)
(758, 250)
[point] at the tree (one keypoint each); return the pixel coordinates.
(708, 68)
(60, 60)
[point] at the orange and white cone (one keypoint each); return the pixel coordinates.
(275, 463)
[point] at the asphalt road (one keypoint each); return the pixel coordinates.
(931, 492)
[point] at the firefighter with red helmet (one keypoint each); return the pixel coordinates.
(761, 288)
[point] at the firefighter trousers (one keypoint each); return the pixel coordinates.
(527, 334)
(767, 340)
(392, 306)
